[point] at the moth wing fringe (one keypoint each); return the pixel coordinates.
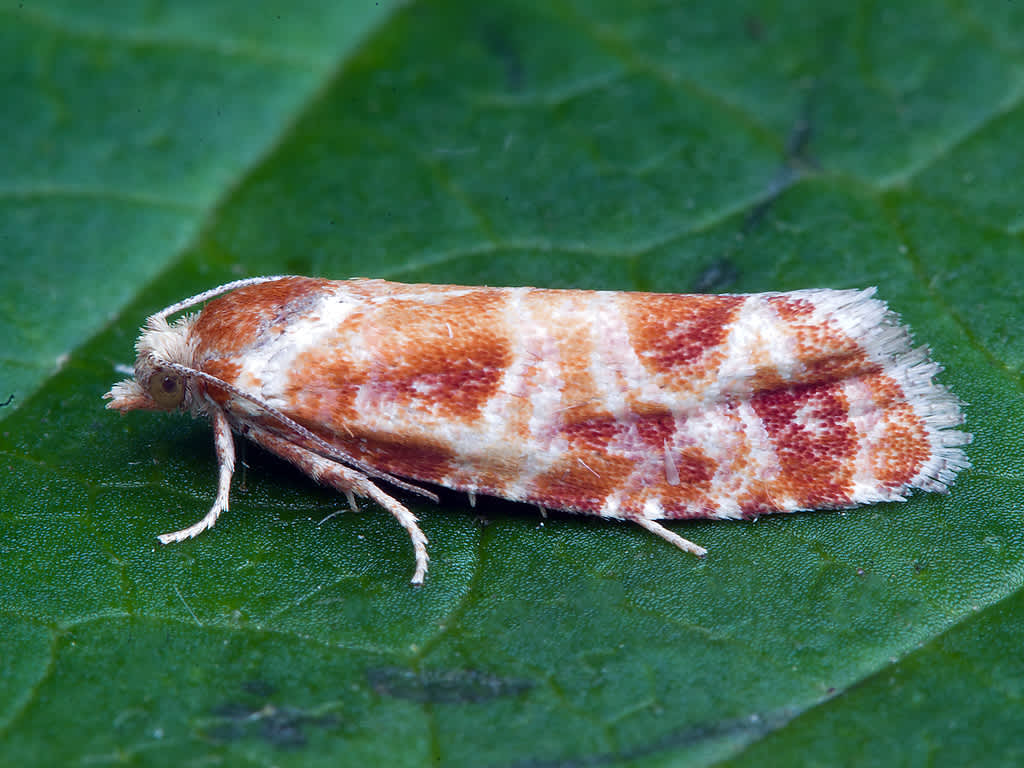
(888, 342)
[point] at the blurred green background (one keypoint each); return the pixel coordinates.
(152, 150)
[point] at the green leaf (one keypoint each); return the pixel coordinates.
(153, 150)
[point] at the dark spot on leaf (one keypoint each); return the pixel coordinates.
(716, 276)
(283, 727)
(234, 710)
(796, 164)
(754, 28)
(497, 42)
(456, 686)
(747, 728)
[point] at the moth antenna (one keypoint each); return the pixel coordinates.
(199, 298)
(329, 450)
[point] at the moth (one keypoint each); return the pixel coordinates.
(634, 406)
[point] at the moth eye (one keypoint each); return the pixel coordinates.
(167, 388)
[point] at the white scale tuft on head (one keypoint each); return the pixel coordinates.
(159, 343)
(163, 342)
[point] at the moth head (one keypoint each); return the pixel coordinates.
(166, 354)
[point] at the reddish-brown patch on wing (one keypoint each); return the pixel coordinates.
(903, 448)
(626, 459)
(695, 468)
(325, 381)
(655, 428)
(674, 333)
(593, 436)
(680, 340)
(690, 496)
(580, 481)
(792, 310)
(683, 490)
(838, 366)
(825, 350)
(446, 359)
(755, 500)
(231, 323)
(816, 460)
(766, 377)
(328, 394)
(414, 457)
(433, 360)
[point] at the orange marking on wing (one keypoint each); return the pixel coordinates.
(655, 428)
(790, 309)
(900, 455)
(592, 436)
(766, 378)
(581, 482)
(446, 359)
(408, 456)
(903, 449)
(689, 497)
(696, 469)
(826, 352)
(629, 456)
(437, 361)
(326, 381)
(231, 323)
(680, 337)
(838, 367)
(418, 458)
(756, 500)
(816, 459)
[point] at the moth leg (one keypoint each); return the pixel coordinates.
(672, 538)
(347, 481)
(225, 446)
